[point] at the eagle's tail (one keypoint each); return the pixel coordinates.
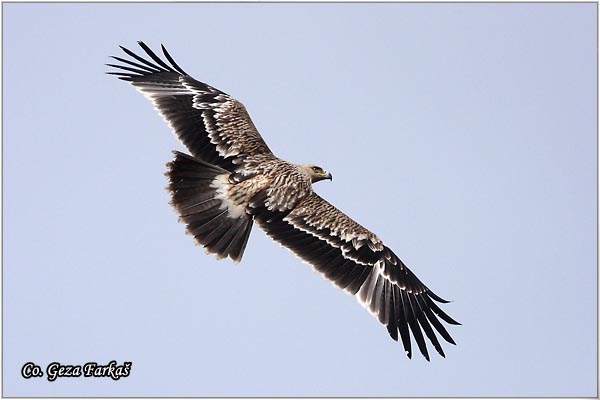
(199, 194)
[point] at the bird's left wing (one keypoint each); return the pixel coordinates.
(214, 126)
(356, 260)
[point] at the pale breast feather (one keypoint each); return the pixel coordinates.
(287, 186)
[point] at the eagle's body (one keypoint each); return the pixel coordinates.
(233, 180)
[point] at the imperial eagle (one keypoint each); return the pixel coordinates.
(232, 180)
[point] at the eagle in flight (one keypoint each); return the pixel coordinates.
(232, 180)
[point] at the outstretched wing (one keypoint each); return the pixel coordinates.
(215, 127)
(356, 260)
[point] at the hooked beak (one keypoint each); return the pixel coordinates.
(328, 176)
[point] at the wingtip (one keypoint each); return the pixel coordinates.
(121, 76)
(171, 60)
(393, 333)
(236, 259)
(437, 298)
(441, 352)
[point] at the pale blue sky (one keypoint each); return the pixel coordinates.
(464, 135)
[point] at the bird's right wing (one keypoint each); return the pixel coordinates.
(215, 127)
(356, 260)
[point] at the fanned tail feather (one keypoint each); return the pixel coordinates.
(194, 187)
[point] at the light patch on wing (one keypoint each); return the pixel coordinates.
(367, 290)
(185, 82)
(328, 239)
(318, 215)
(216, 106)
(210, 127)
(346, 238)
(222, 106)
(221, 185)
(155, 90)
(226, 114)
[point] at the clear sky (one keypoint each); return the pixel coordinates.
(464, 135)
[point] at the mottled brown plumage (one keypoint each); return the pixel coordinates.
(233, 179)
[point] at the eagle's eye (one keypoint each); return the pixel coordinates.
(317, 170)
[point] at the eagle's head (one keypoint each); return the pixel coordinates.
(316, 173)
